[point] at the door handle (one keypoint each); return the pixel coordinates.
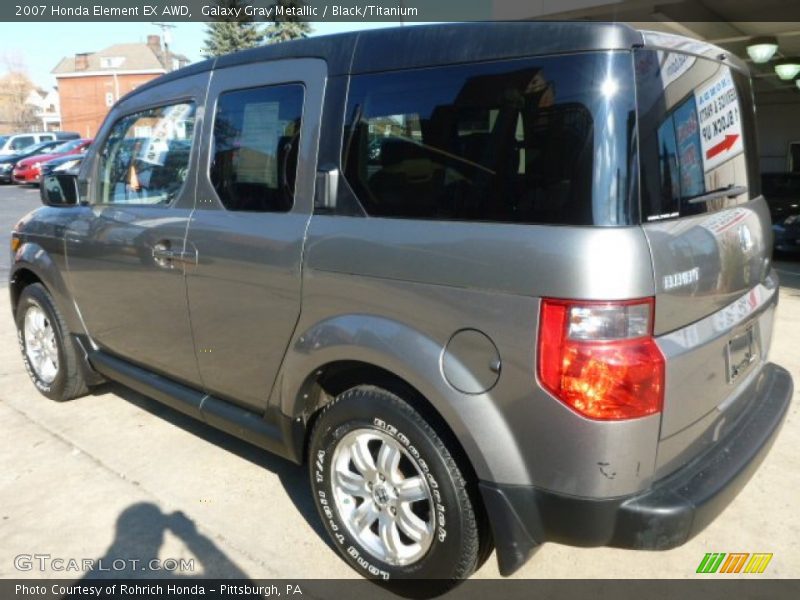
(166, 257)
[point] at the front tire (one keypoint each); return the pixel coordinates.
(48, 353)
(390, 494)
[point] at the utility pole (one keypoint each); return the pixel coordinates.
(165, 37)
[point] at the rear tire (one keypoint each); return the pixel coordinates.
(390, 494)
(47, 351)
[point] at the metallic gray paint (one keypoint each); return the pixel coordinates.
(711, 243)
(593, 263)
(514, 433)
(142, 315)
(696, 369)
(471, 362)
(377, 330)
(488, 277)
(730, 290)
(700, 404)
(153, 329)
(392, 293)
(250, 262)
(42, 253)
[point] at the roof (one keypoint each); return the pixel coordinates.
(134, 57)
(408, 47)
(428, 45)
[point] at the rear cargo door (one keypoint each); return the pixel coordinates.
(707, 225)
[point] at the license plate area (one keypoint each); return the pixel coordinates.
(740, 352)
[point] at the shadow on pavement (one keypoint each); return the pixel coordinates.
(293, 478)
(138, 538)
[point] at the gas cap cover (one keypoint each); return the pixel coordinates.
(471, 362)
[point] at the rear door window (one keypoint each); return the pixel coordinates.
(696, 135)
(255, 145)
(537, 140)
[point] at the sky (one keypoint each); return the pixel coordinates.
(39, 46)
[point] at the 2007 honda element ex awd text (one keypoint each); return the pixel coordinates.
(496, 284)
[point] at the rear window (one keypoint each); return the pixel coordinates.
(539, 140)
(696, 135)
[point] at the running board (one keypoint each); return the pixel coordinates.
(283, 437)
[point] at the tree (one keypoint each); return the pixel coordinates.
(15, 89)
(285, 27)
(232, 34)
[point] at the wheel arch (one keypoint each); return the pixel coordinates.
(346, 350)
(22, 278)
(331, 379)
(33, 264)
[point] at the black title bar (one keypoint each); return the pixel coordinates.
(383, 10)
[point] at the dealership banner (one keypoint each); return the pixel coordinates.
(360, 10)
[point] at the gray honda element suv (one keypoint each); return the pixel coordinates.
(495, 284)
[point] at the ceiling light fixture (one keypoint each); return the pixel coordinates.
(762, 49)
(788, 68)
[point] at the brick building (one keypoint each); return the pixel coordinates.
(89, 83)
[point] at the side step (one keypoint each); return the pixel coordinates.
(279, 435)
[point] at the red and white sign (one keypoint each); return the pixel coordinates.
(720, 120)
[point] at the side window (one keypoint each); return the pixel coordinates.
(256, 138)
(21, 142)
(535, 140)
(145, 159)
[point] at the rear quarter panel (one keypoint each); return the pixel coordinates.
(392, 292)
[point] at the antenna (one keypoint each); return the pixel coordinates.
(166, 36)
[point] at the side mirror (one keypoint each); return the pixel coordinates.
(60, 189)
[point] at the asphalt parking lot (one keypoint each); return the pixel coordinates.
(115, 475)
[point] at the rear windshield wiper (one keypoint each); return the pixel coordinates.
(729, 191)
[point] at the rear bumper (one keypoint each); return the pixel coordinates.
(666, 515)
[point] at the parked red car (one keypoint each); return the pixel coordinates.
(29, 169)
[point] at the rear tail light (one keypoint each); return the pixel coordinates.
(600, 358)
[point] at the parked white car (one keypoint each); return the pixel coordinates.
(12, 144)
